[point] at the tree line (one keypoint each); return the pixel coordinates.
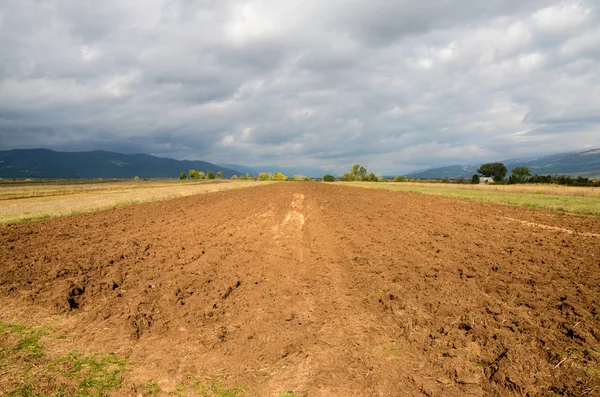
(498, 172)
(193, 174)
(262, 176)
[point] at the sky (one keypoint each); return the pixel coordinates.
(394, 85)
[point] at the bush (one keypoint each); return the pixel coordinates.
(328, 178)
(194, 174)
(211, 175)
(278, 176)
(182, 176)
(234, 178)
(475, 179)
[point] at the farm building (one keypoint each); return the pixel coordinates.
(486, 180)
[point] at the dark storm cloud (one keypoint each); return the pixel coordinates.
(396, 85)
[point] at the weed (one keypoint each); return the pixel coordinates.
(28, 345)
(96, 374)
(287, 393)
(483, 364)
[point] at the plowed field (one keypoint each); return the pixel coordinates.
(320, 289)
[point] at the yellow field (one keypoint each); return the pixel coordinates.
(30, 202)
(570, 199)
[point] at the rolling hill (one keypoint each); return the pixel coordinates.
(586, 164)
(44, 163)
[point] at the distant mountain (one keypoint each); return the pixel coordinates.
(586, 164)
(312, 172)
(242, 169)
(44, 163)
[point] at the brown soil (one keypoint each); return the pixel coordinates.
(322, 289)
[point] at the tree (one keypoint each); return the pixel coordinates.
(136, 178)
(475, 179)
(182, 176)
(278, 176)
(210, 175)
(372, 177)
(245, 177)
(357, 173)
(194, 174)
(263, 176)
(234, 178)
(519, 175)
(328, 178)
(496, 170)
(201, 175)
(219, 175)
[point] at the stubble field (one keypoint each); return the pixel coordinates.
(304, 289)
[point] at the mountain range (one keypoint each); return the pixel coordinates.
(586, 164)
(44, 163)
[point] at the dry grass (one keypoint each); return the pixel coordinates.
(574, 200)
(24, 203)
(529, 189)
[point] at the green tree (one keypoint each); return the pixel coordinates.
(234, 178)
(358, 172)
(519, 175)
(201, 175)
(210, 175)
(278, 176)
(182, 176)
(245, 177)
(372, 177)
(328, 178)
(475, 179)
(136, 178)
(219, 175)
(263, 176)
(496, 170)
(194, 174)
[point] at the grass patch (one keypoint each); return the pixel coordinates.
(193, 386)
(29, 368)
(580, 201)
(44, 202)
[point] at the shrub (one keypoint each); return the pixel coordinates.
(210, 175)
(194, 174)
(278, 176)
(328, 178)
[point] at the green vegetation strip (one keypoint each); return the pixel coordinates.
(28, 367)
(559, 203)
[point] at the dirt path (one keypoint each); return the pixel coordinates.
(321, 289)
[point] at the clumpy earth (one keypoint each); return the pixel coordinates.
(322, 290)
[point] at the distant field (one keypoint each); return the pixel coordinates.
(30, 201)
(575, 200)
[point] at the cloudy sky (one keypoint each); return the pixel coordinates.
(396, 85)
